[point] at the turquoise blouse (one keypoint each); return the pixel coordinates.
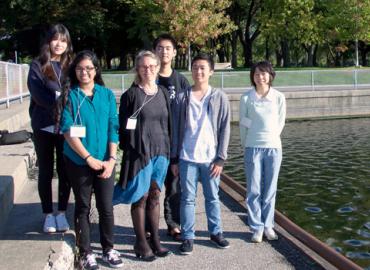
(98, 115)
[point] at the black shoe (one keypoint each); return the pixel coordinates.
(186, 247)
(220, 240)
(144, 257)
(161, 252)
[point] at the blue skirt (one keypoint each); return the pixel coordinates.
(155, 170)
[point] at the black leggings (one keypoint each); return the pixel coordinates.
(172, 200)
(46, 144)
(84, 182)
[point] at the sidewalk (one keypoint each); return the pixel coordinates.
(242, 254)
(23, 245)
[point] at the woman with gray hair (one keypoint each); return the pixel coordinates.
(144, 137)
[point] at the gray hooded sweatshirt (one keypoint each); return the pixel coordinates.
(219, 111)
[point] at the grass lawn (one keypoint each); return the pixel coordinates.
(240, 79)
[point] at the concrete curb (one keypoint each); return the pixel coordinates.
(23, 232)
(15, 162)
(15, 117)
(62, 254)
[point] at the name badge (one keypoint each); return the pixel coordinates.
(131, 123)
(77, 132)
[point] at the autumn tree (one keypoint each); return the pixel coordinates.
(194, 22)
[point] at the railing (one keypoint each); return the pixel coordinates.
(13, 82)
(297, 80)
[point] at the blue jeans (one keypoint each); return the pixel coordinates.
(189, 175)
(262, 166)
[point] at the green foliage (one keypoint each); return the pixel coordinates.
(295, 29)
(194, 21)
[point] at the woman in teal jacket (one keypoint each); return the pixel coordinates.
(90, 127)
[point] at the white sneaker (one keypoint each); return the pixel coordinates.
(88, 262)
(49, 224)
(270, 234)
(257, 237)
(112, 257)
(61, 222)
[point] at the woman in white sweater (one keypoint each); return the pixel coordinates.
(262, 118)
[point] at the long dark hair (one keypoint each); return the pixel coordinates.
(72, 81)
(55, 31)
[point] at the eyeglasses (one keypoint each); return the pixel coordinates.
(87, 69)
(151, 67)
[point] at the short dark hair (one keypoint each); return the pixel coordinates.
(264, 66)
(164, 37)
(206, 57)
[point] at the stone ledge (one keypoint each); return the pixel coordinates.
(15, 162)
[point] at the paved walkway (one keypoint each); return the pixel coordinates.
(242, 254)
(23, 245)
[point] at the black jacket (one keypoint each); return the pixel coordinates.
(43, 95)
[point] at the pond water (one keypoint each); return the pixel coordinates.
(324, 183)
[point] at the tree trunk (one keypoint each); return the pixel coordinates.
(177, 60)
(183, 61)
(285, 53)
(108, 59)
(310, 55)
(279, 58)
(267, 49)
(248, 56)
(364, 49)
(314, 62)
(234, 48)
(189, 58)
(221, 55)
(123, 61)
(337, 59)
(221, 52)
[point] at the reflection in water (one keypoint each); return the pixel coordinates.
(324, 183)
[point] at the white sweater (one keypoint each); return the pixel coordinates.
(262, 119)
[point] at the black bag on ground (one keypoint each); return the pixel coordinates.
(15, 137)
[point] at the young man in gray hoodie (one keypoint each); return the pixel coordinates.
(201, 132)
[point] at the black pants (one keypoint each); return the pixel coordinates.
(45, 145)
(84, 182)
(172, 200)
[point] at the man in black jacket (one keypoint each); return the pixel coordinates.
(165, 48)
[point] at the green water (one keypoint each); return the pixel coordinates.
(324, 183)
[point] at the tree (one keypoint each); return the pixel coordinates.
(348, 21)
(290, 22)
(244, 14)
(194, 22)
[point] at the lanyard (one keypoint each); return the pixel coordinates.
(136, 113)
(56, 75)
(79, 107)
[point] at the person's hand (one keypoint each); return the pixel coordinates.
(216, 170)
(108, 167)
(94, 163)
(175, 169)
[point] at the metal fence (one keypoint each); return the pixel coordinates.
(13, 82)
(295, 80)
